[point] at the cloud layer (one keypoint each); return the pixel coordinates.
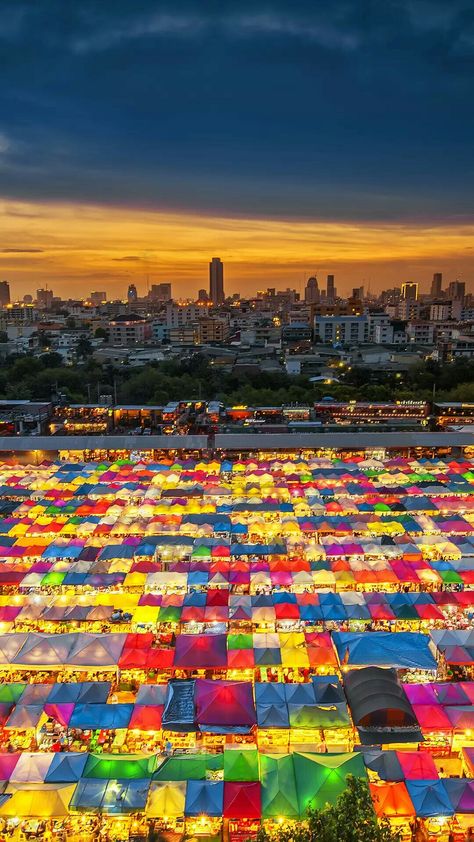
(74, 248)
(341, 109)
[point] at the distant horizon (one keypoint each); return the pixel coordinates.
(75, 249)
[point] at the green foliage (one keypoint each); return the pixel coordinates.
(351, 819)
(194, 378)
(84, 347)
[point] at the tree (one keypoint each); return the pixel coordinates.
(84, 347)
(351, 819)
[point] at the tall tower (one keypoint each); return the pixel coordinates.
(437, 285)
(4, 293)
(311, 293)
(331, 290)
(132, 294)
(410, 291)
(216, 281)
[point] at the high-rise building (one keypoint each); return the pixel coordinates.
(311, 293)
(331, 290)
(457, 289)
(160, 292)
(202, 295)
(437, 285)
(216, 281)
(98, 298)
(132, 294)
(358, 293)
(4, 293)
(44, 298)
(410, 291)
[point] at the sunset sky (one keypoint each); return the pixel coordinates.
(142, 138)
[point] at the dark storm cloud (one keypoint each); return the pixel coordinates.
(343, 108)
(21, 251)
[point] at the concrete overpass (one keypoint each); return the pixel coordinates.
(238, 442)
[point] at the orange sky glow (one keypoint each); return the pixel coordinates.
(75, 249)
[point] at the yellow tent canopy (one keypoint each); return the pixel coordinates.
(43, 801)
(166, 799)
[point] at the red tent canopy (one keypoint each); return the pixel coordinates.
(242, 800)
(417, 764)
(146, 717)
(225, 703)
(202, 651)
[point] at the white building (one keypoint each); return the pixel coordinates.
(128, 330)
(178, 315)
(421, 333)
(344, 330)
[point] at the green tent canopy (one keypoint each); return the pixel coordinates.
(240, 641)
(11, 692)
(189, 767)
(123, 766)
(279, 796)
(321, 778)
(241, 765)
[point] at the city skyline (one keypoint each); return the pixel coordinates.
(142, 139)
(66, 246)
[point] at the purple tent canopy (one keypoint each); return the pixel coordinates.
(461, 794)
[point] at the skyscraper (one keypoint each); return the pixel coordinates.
(331, 289)
(4, 293)
(160, 292)
(216, 281)
(410, 291)
(132, 294)
(457, 289)
(311, 293)
(44, 298)
(358, 293)
(98, 298)
(437, 285)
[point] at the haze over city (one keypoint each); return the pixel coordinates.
(140, 139)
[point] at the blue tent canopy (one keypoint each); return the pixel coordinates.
(429, 798)
(151, 694)
(113, 551)
(204, 798)
(257, 549)
(284, 597)
(92, 716)
(196, 578)
(270, 704)
(113, 796)
(460, 792)
(399, 650)
(62, 551)
(178, 714)
(66, 768)
(198, 600)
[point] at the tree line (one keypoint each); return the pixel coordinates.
(43, 377)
